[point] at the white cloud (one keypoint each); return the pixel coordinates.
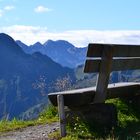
(41, 9)
(6, 8)
(9, 7)
(80, 38)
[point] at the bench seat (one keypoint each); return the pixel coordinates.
(85, 96)
(102, 59)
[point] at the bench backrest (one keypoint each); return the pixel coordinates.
(104, 58)
(124, 57)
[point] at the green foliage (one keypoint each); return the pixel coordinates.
(128, 124)
(47, 116)
(14, 124)
(127, 111)
(54, 136)
(70, 138)
(78, 126)
(77, 129)
(128, 118)
(50, 114)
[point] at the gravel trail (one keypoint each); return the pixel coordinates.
(39, 132)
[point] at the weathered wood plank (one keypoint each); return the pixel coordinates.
(62, 117)
(125, 64)
(119, 50)
(74, 97)
(123, 90)
(117, 65)
(103, 76)
(92, 66)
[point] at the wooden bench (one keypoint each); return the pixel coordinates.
(102, 59)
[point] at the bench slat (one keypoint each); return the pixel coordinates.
(117, 65)
(80, 97)
(95, 50)
(92, 66)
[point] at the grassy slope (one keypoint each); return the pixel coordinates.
(128, 124)
(49, 115)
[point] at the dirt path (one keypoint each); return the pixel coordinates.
(31, 133)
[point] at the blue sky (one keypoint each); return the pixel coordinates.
(78, 21)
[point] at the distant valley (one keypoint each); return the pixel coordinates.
(70, 56)
(29, 73)
(25, 79)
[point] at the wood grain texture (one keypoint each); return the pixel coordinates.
(117, 65)
(74, 98)
(62, 117)
(119, 50)
(103, 76)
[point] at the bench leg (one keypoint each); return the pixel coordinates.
(62, 117)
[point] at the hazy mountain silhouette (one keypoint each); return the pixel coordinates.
(60, 51)
(20, 74)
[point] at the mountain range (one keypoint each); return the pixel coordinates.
(25, 79)
(29, 73)
(68, 55)
(60, 51)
